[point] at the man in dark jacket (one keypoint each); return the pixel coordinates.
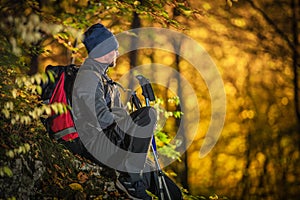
(112, 136)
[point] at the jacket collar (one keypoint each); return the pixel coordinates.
(94, 65)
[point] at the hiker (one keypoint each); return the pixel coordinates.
(110, 134)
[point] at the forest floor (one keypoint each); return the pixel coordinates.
(33, 166)
(43, 169)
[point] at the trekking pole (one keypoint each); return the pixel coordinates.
(135, 100)
(148, 93)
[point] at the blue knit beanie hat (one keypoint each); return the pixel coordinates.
(99, 41)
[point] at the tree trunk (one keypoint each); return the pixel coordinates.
(295, 12)
(136, 23)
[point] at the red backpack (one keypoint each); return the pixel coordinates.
(60, 126)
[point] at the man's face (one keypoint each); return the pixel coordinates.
(109, 58)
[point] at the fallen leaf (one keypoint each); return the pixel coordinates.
(76, 186)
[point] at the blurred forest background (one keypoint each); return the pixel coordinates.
(254, 44)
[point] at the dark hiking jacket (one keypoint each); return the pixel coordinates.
(108, 132)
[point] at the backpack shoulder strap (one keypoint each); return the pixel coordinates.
(110, 81)
(70, 75)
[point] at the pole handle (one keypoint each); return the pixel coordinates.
(146, 88)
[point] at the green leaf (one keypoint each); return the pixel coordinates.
(7, 171)
(51, 76)
(60, 108)
(165, 14)
(39, 89)
(162, 137)
(177, 114)
(44, 78)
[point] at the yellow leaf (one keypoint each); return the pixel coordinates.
(27, 146)
(22, 94)
(19, 82)
(32, 80)
(6, 112)
(10, 153)
(20, 149)
(28, 120)
(14, 93)
(47, 109)
(9, 105)
(136, 3)
(25, 120)
(229, 3)
(76, 186)
(38, 111)
(54, 108)
(38, 78)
